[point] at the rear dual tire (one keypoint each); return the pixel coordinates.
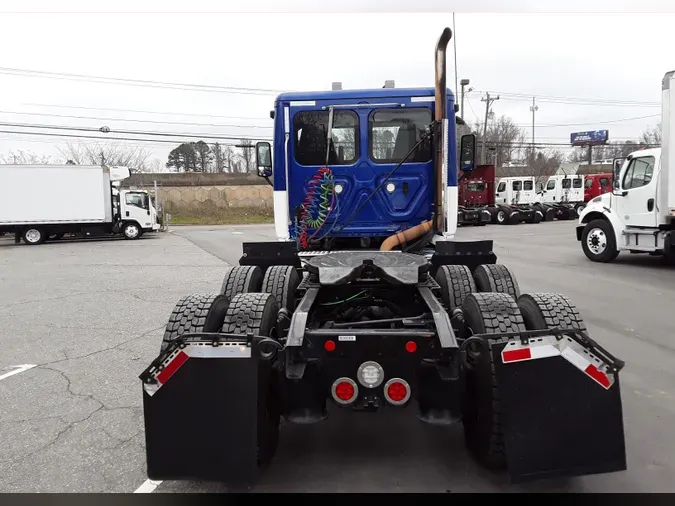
(497, 313)
(243, 314)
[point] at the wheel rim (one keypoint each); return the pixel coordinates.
(596, 241)
(580, 208)
(132, 231)
(501, 216)
(33, 235)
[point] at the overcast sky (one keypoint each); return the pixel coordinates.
(617, 58)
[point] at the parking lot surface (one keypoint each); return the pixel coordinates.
(79, 320)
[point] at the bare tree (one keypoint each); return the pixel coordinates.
(24, 157)
(247, 155)
(95, 153)
(652, 135)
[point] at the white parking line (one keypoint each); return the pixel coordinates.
(148, 487)
(18, 369)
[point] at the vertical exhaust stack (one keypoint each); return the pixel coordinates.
(440, 159)
(441, 127)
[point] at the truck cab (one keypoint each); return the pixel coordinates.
(563, 189)
(135, 206)
(597, 184)
(333, 149)
(637, 215)
(516, 190)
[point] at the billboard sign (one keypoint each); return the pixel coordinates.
(589, 138)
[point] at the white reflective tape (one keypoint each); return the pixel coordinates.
(575, 359)
(422, 99)
(207, 350)
(301, 103)
(544, 351)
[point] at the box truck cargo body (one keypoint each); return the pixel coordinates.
(42, 201)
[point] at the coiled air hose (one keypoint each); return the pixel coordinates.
(317, 206)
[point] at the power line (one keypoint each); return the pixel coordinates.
(146, 112)
(134, 120)
(136, 82)
(130, 132)
(570, 100)
(47, 134)
(594, 122)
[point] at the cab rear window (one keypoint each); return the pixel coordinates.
(576, 183)
(528, 185)
(310, 131)
(394, 132)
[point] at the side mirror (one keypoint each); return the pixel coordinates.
(467, 152)
(263, 158)
(617, 163)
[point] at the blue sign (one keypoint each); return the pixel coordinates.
(589, 138)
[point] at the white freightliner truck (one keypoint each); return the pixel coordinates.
(638, 215)
(39, 202)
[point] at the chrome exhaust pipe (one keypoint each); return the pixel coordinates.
(441, 127)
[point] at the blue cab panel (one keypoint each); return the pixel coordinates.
(372, 131)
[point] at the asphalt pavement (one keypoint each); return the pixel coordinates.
(79, 320)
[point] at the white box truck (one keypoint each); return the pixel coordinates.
(638, 215)
(38, 202)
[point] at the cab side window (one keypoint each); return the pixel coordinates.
(639, 172)
(566, 184)
(517, 186)
(528, 185)
(576, 183)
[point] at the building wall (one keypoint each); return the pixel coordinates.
(203, 191)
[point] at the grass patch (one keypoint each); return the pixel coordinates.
(228, 216)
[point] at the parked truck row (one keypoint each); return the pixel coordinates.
(509, 200)
(45, 202)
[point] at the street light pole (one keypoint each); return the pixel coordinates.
(463, 83)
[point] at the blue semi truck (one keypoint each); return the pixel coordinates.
(368, 302)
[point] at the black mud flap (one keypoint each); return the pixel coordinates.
(561, 409)
(200, 403)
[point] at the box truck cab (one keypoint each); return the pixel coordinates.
(637, 215)
(41, 202)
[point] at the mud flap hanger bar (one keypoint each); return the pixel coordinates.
(206, 342)
(580, 337)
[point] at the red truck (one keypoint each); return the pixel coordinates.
(596, 184)
(477, 203)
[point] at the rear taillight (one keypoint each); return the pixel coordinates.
(397, 391)
(344, 390)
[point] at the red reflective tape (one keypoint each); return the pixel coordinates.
(513, 355)
(597, 375)
(172, 367)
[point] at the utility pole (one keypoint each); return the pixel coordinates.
(534, 108)
(488, 102)
(463, 83)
